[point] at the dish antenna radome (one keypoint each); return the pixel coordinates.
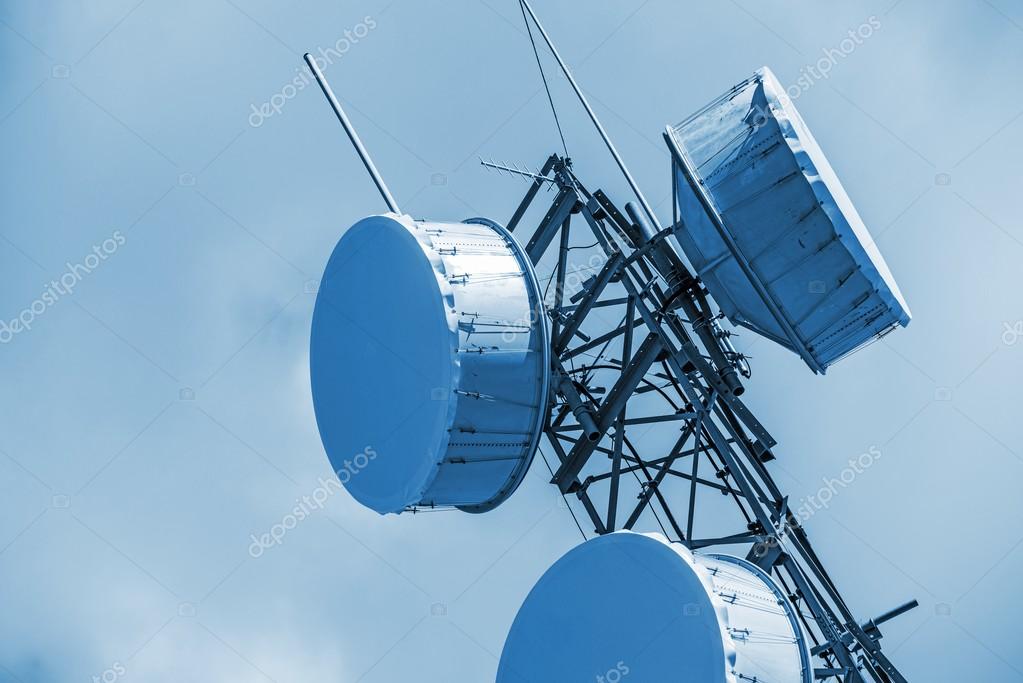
(430, 345)
(771, 231)
(651, 610)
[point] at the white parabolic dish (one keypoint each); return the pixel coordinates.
(429, 362)
(634, 607)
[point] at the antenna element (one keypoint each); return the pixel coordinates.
(352, 135)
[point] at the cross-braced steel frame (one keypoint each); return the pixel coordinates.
(670, 347)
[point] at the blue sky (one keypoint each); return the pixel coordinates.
(157, 412)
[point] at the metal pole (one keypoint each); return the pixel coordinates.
(352, 135)
(593, 117)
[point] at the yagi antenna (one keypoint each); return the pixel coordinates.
(352, 135)
(515, 170)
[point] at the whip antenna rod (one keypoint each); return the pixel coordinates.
(352, 135)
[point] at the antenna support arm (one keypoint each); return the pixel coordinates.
(352, 135)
